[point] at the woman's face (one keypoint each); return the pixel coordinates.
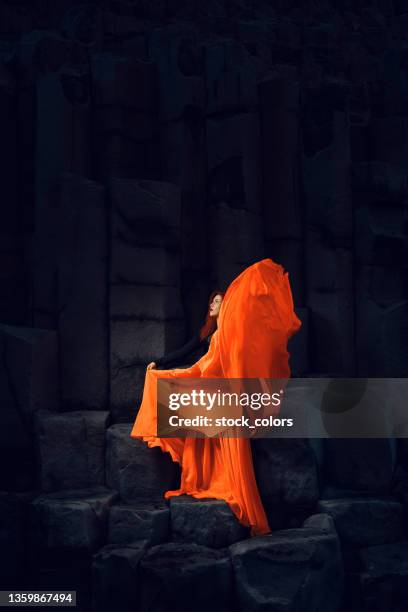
(215, 305)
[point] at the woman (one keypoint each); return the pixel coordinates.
(255, 321)
(197, 346)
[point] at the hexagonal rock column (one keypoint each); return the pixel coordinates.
(70, 278)
(327, 196)
(381, 298)
(175, 50)
(231, 75)
(234, 212)
(235, 241)
(286, 473)
(28, 382)
(380, 192)
(30, 366)
(115, 577)
(361, 464)
(279, 98)
(209, 522)
(362, 521)
(175, 575)
(74, 520)
(82, 296)
(141, 521)
(323, 522)
(63, 109)
(71, 448)
(139, 473)
(146, 314)
(8, 148)
(124, 93)
(14, 301)
(62, 143)
(292, 568)
(233, 151)
(65, 90)
(13, 537)
(383, 579)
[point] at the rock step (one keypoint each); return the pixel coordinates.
(384, 579)
(72, 520)
(91, 453)
(80, 521)
(29, 381)
(137, 472)
(128, 564)
(127, 541)
(97, 455)
(334, 492)
(302, 565)
(129, 523)
(381, 580)
(365, 521)
(71, 448)
(209, 522)
(274, 571)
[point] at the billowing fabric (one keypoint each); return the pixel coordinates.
(256, 320)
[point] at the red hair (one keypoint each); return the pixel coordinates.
(210, 324)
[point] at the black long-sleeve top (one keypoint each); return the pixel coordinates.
(188, 354)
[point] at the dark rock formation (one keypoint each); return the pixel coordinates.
(151, 151)
(71, 520)
(174, 575)
(209, 522)
(115, 576)
(365, 521)
(71, 448)
(142, 521)
(287, 478)
(384, 576)
(29, 382)
(137, 472)
(283, 569)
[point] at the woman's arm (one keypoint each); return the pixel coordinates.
(175, 356)
(178, 355)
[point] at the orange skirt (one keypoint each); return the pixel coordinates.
(256, 320)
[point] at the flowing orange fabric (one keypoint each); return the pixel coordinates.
(256, 320)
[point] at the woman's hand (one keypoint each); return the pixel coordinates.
(151, 366)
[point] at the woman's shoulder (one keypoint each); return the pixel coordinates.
(203, 338)
(211, 336)
(206, 339)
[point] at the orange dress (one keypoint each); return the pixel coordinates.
(256, 320)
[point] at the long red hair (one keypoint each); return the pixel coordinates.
(210, 324)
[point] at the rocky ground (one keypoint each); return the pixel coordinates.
(97, 522)
(150, 151)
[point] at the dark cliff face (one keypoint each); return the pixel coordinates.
(282, 126)
(149, 152)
